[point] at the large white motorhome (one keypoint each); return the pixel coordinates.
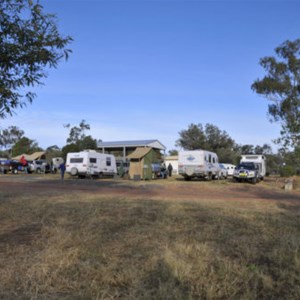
(198, 164)
(90, 163)
(259, 160)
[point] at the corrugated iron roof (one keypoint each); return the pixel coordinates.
(134, 143)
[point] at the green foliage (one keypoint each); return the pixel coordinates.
(78, 140)
(290, 162)
(87, 143)
(193, 138)
(274, 163)
(210, 138)
(77, 133)
(10, 136)
(25, 145)
(287, 171)
(78, 137)
(173, 152)
(251, 149)
(30, 44)
(69, 148)
(281, 86)
(53, 151)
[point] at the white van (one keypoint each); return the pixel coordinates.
(230, 168)
(90, 163)
(259, 160)
(198, 164)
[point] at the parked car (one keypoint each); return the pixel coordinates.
(259, 161)
(159, 171)
(9, 165)
(223, 172)
(246, 171)
(230, 168)
(39, 166)
(4, 166)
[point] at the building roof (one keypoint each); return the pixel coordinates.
(139, 153)
(137, 143)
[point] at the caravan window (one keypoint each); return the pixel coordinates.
(108, 161)
(214, 160)
(209, 158)
(76, 160)
(93, 160)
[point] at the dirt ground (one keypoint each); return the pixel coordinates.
(132, 238)
(271, 189)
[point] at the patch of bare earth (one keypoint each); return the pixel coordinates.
(160, 239)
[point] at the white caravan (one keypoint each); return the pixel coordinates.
(90, 163)
(198, 164)
(259, 160)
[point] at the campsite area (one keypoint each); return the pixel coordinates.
(159, 239)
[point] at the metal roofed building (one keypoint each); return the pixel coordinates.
(124, 148)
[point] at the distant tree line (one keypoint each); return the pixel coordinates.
(13, 142)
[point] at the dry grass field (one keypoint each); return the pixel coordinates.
(162, 239)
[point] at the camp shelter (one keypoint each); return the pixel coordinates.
(141, 161)
(33, 156)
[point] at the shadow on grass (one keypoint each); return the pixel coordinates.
(144, 249)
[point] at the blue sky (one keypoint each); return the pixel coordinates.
(147, 69)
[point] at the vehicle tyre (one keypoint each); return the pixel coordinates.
(74, 171)
(38, 171)
(254, 180)
(209, 176)
(187, 178)
(189, 171)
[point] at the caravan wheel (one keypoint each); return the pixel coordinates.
(74, 171)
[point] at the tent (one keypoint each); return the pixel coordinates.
(33, 156)
(141, 161)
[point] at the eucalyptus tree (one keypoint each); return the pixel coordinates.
(281, 86)
(30, 44)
